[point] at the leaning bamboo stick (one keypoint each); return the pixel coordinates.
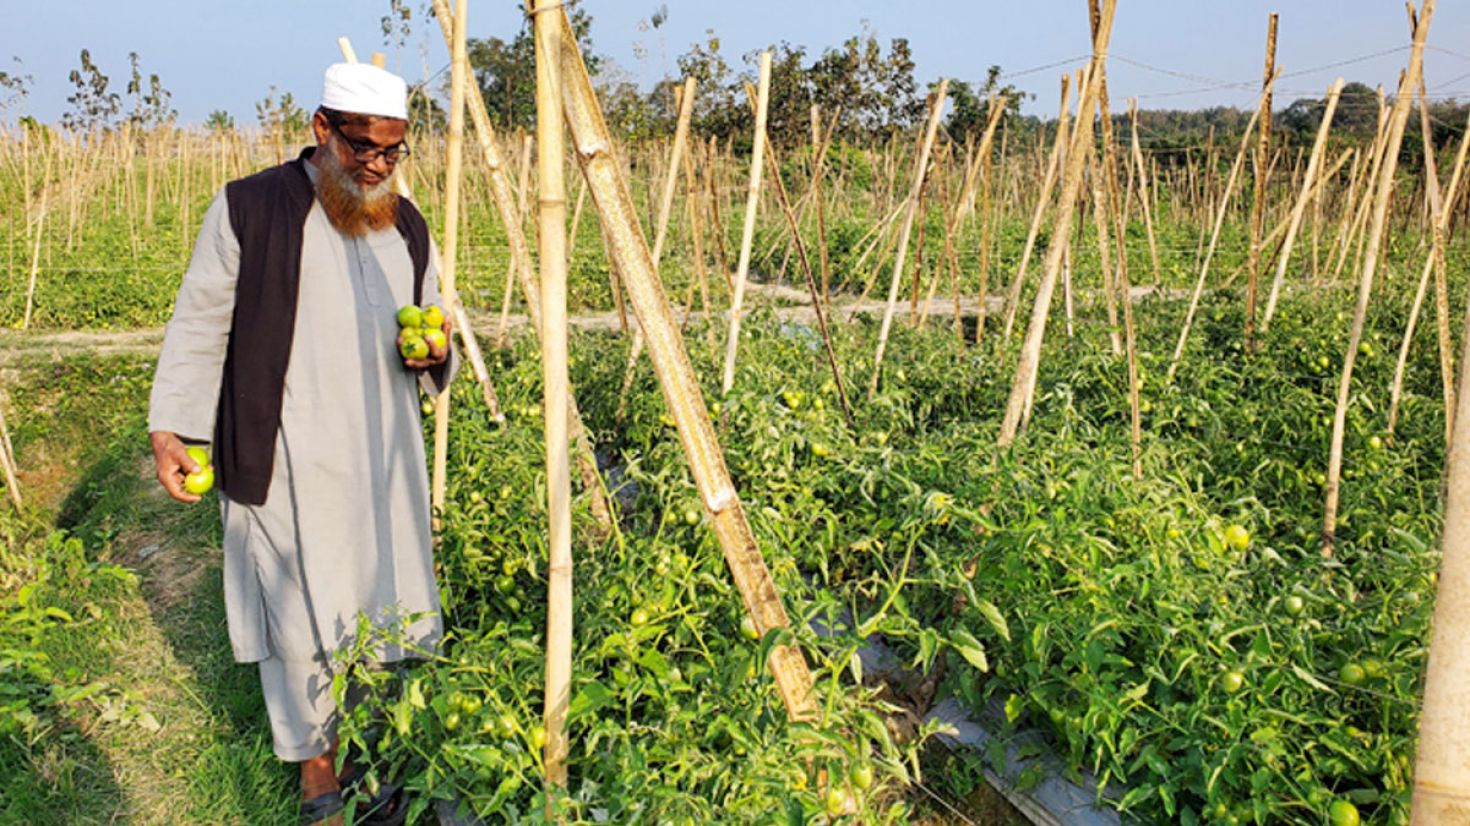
(666, 202)
(8, 462)
(819, 306)
(1024, 383)
(1431, 263)
(1043, 199)
(36, 252)
(987, 218)
(1222, 209)
(676, 377)
(752, 204)
(912, 208)
(1437, 257)
(1319, 148)
(1370, 264)
(1258, 192)
(505, 206)
(552, 210)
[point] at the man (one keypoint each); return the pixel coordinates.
(282, 353)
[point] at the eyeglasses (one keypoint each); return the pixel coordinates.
(365, 153)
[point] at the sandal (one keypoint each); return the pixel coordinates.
(320, 808)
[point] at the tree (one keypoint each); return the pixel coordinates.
(151, 107)
(877, 93)
(219, 121)
(282, 116)
(972, 103)
(92, 105)
(14, 88)
(718, 110)
(506, 72)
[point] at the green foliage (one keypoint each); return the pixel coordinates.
(219, 121)
(151, 105)
(92, 105)
(280, 116)
(506, 71)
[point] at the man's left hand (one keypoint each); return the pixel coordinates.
(437, 355)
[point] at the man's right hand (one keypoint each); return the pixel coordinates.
(171, 458)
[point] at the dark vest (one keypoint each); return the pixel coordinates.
(268, 215)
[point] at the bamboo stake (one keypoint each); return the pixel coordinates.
(552, 238)
(711, 177)
(1441, 786)
(752, 203)
(1258, 193)
(676, 377)
(921, 164)
(666, 202)
(1013, 295)
(1370, 264)
(36, 249)
(1319, 148)
(987, 222)
(7, 461)
(1437, 257)
(819, 161)
(818, 305)
(505, 205)
(1221, 210)
(1024, 384)
(455, 151)
(1143, 189)
(696, 235)
(1432, 264)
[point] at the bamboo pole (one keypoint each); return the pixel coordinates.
(552, 214)
(676, 377)
(1319, 148)
(1258, 192)
(1441, 783)
(1024, 384)
(1143, 189)
(912, 207)
(666, 202)
(752, 204)
(1437, 258)
(36, 248)
(819, 308)
(505, 205)
(1433, 264)
(1043, 199)
(1370, 264)
(1221, 210)
(696, 235)
(523, 188)
(987, 222)
(8, 462)
(459, 68)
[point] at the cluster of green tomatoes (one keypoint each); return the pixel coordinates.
(420, 330)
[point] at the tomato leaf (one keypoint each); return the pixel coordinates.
(970, 648)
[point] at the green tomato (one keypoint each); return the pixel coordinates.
(862, 775)
(200, 481)
(410, 317)
(199, 455)
(1343, 813)
(432, 317)
(451, 721)
(1294, 605)
(640, 617)
(1232, 681)
(748, 629)
(1352, 674)
(413, 346)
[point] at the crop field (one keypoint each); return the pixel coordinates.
(1190, 573)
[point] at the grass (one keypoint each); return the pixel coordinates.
(155, 641)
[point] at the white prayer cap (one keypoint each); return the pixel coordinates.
(364, 89)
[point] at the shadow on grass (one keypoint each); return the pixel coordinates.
(63, 779)
(225, 757)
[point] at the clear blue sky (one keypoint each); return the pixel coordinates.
(214, 55)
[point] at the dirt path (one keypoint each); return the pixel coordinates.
(788, 304)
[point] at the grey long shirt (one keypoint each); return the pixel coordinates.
(345, 526)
